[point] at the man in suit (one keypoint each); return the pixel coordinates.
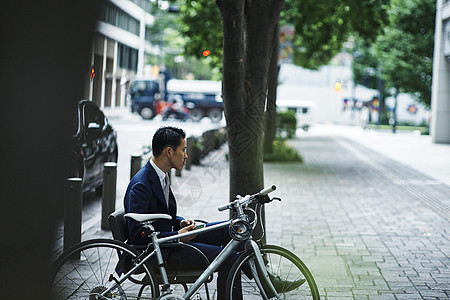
(149, 192)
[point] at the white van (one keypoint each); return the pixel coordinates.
(303, 109)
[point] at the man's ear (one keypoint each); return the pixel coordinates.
(168, 151)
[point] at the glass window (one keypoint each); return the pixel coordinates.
(93, 115)
(113, 15)
(75, 124)
(143, 88)
(127, 57)
(144, 4)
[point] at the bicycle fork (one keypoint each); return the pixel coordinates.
(260, 274)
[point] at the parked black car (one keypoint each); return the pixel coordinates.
(95, 142)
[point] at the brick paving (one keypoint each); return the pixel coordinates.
(368, 227)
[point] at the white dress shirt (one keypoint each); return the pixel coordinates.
(160, 173)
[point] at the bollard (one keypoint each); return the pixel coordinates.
(178, 173)
(73, 202)
(136, 161)
(189, 152)
(109, 193)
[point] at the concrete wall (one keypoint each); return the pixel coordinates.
(440, 102)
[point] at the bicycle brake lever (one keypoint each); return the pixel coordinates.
(276, 198)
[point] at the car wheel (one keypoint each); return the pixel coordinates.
(147, 113)
(196, 115)
(215, 115)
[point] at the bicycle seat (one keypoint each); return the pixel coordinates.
(147, 217)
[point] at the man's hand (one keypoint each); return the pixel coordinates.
(187, 229)
(185, 223)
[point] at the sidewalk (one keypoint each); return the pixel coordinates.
(368, 226)
(370, 219)
(408, 148)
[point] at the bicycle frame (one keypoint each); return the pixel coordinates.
(257, 266)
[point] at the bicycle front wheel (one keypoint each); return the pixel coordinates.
(288, 274)
(89, 269)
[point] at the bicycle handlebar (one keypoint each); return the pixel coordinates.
(267, 190)
(248, 198)
(224, 207)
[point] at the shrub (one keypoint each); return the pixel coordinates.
(209, 141)
(282, 153)
(286, 124)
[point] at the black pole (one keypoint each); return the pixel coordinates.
(73, 203)
(109, 193)
(136, 161)
(189, 152)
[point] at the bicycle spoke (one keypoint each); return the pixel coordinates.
(107, 265)
(81, 276)
(92, 268)
(75, 283)
(249, 284)
(100, 265)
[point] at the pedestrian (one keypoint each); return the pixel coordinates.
(149, 192)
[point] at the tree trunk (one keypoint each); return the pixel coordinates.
(233, 90)
(245, 72)
(272, 84)
(248, 30)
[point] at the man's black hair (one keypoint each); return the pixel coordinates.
(167, 136)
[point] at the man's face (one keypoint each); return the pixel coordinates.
(179, 156)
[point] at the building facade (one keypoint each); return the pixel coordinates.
(440, 97)
(119, 49)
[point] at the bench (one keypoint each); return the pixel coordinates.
(119, 232)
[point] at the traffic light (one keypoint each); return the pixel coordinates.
(92, 73)
(337, 87)
(206, 53)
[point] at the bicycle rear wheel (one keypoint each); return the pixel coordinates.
(289, 275)
(88, 269)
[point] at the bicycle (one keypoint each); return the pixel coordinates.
(89, 270)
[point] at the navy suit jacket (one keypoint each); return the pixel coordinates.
(145, 195)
